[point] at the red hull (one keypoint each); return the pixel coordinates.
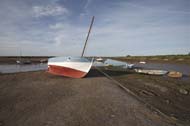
(64, 71)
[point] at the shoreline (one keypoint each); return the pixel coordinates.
(174, 59)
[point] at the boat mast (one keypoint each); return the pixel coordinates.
(87, 36)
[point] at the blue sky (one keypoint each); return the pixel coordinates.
(121, 27)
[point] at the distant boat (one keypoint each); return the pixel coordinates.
(151, 72)
(75, 67)
(100, 59)
(43, 61)
(142, 62)
(18, 62)
(26, 62)
(175, 74)
(19, 58)
(21, 61)
(128, 66)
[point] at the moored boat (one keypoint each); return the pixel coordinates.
(75, 67)
(100, 59)
(175, 74)
(151, 72)
(142, 62)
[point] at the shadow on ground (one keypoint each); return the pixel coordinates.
(95, 73)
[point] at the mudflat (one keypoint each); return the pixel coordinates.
(41, 99)
(169, 95)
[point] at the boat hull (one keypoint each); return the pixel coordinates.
(64, 71)
(69, 66)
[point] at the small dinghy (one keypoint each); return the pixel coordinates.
(175, 74)
(151, 72)
(100, 59)
(142, 62)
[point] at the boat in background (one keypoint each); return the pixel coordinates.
(100, 59)
(75, 67)
(142, 62)
(151, 72)
(128, 66)
(23, 60)
(175, 74)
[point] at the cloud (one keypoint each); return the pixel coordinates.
(68, 34)
(49, 10)
(59, 27)
(126, 28)
(87, 4)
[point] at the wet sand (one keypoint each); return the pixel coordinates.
(41, 99)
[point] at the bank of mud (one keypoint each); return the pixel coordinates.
(170, 95)
(41, 99)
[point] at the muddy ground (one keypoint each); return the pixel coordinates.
(42, 99)
(170, 95)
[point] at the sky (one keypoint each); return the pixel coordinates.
(121, 27)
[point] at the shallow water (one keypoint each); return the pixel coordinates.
(15, 68)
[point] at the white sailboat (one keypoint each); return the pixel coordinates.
(75, 67)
